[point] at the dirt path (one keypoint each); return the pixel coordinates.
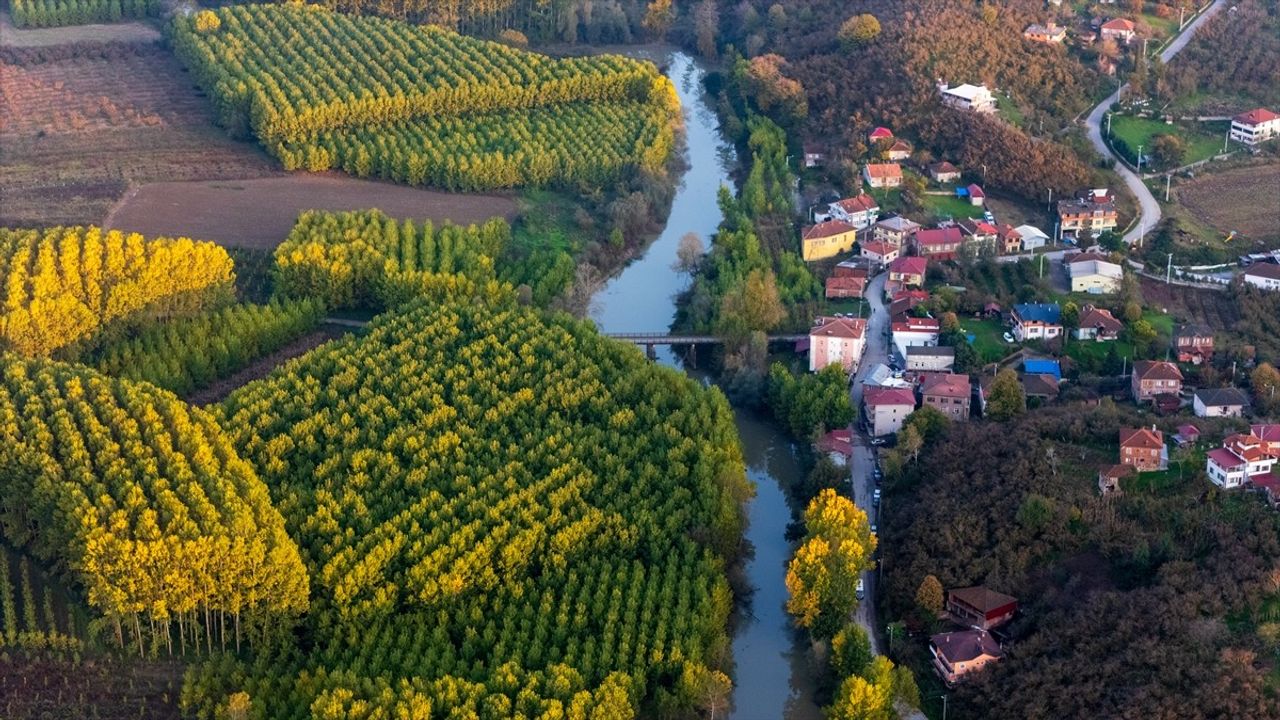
(259, 213)
(264, 365)
(39, 37)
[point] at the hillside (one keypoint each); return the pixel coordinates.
(1233, 63)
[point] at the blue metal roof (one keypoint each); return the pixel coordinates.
(1043, 367)
(1040, 312)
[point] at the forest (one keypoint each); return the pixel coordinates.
(1233, 60)
(52, 13)
(1139, 605)
(428, 106)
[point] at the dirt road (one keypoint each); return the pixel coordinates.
(259, 213)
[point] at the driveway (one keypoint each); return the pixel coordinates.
(1148, 208)
(863, 460)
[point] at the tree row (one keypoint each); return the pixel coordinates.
(53, 13)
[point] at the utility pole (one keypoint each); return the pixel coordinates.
(1226, 138)
(1181, 15)
(1042, 265)
(1050, 207)
(1139, 162)
(1168, 271)
(1168, 178)
(984, 174)
(1108, 124)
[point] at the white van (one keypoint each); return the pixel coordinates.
(861, 592)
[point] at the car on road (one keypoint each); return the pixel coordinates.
(873, 528)
(877, 441)
(861, 591)
(1008, 337)
(875, 497)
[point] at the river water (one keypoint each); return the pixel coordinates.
(771, 678)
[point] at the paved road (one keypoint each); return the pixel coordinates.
(1149, 209)
(863, 460)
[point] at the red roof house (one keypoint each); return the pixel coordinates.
(940, 243)
(880, 133)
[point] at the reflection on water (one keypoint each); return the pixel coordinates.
(772, 680)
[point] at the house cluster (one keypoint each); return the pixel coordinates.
(1247, 460)
(978, 611)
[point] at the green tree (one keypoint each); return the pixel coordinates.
(859, 30)
(1070, 314)
(1167, 151)
(928, 422)
(929, 595)
(1265, 380)
(850, 650)
(1007, 398)
(823, 574)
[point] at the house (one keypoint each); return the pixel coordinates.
(980, 608)
(1037, 321)
(827, 239)
(886, 408)
(1155, 377)
(882, 253)
(956, 654)
(968, 97)
(1109, 478)
(1050, 33)
(913, 331)
(1008, 238)
(882, 175)
(902, 301)
(1043, 366)
(814, 156)
(939, 243)
(1219, 402)
(1255, 126)
(1119, 29)
(880, 133)
(1263, 275)
(845, 287)
(1240, 459)
(908, 271)
(1187, 435)
(837, 444)
(1094, 274)
(850, 268)
(899, 150)
(1039, 386)
(860, 211)
(835, 340)
(1193, 343)
(1143, 448)
(927, 358)
(980, 238)
(883, 376)
(976, 195)
(1093, 213)
(949, 394)
(1032, 237)
(1097, 324)
(896, 230)
(1269, 435)
(944, 172)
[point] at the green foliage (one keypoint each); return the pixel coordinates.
(51, 13)
(823, 574)
(859, 30)
(1007, 399)
(810, 403)
(929, 595)
(850, 650)
(491, 498)
(142, 498)
(366, 260)
(190, 353)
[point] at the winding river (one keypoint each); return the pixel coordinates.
(771, 678)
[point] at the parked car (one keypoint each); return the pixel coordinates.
(861, 591)
(1008, 337)
(875, 497)
(877, 441)
(873, 528)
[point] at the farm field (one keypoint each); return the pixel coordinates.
(75, 132)
(1241, 200)
(11, 36)
(258, 213)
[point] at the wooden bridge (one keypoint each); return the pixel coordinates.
(652, 340)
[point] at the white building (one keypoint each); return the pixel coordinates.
(886, 408)
(1093, 274)
(1042, 321)
(1240, 459)
(1263, 275)
(931, 358)
(968, 97)
(914, 331)
(1255, 126)
(1032, 237)
(1219, 402)
(860, 211)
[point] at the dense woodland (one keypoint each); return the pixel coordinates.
(1155, 603)
(1234, 59)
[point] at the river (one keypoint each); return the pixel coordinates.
(771, 676)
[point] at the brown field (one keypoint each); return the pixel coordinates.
(259, 213)
(1243, 200)
(263, 366)
(1214, 308)
(34, 688)
(77, 130)
(40, 37)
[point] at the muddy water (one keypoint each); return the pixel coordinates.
(771, 680)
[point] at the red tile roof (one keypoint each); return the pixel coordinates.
(881, 133)
(846, 284)
(1156, 370)
(1256, 117)
(1224, 458)
(976, 191)
(1095, 317)
(947, 385)
(829, 228)
(879, 248)
(1141, 438)
(910, 265)
(844, 327)
(1188, 431)
(943, 168)
(916, 325)
(1116, 472)
(1119, 24)
(1248, 447)
(1264, 270)
(965, 645)
(861, 203)
(878, 396)
(939, 236)
(900, 146)
(884, 170)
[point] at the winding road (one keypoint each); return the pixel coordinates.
(1149, 209)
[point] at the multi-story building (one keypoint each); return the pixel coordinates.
(939, 243)
(882, 175)
(1193, 343)
(968, 97)
(896, 230)
(837, 340)
(827, 239)
(886, 408)
(949, 394)
(1037, 321)
(980, 608)
(1155, 377)
(1241, 459)
(1093, 213)
(860, 211)
(1143, 449)
(1263, 275)
(1255, 126)
(956, 654)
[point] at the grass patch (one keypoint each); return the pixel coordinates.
(988, 339)
(847, 306)
(1009, 110)
(941, 207)
(547, 222)
(1202, 143)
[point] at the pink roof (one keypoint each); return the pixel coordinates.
(881, 133)
(1188, 431)
(901, 145)
(976, 191)
(1266, 433)
(844, 327)
(1119, 24)
(910, 265)
(861, 203)
(939, 236)
(878, 396)
(885, 170)
(1223, 457)
(828, 229)
(840, 441)
(1256, 117)
(879, 248)
(947, 385)
(916, 325)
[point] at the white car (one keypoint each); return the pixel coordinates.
(1008, 338)
(861, 591)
